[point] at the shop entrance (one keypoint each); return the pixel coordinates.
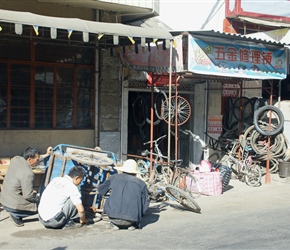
(139, 107)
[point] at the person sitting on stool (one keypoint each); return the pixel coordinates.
(129, 197)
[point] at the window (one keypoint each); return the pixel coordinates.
(52, 92)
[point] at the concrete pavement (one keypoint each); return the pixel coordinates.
(242, 218)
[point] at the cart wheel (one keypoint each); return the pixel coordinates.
(90, 158)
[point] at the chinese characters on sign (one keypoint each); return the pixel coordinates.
(230, 90)
(243, 59)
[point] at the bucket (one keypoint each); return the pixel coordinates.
(284, 169)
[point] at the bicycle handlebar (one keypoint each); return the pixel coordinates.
(155, 141)
(195, 137)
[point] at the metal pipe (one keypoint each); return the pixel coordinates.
(169, 101)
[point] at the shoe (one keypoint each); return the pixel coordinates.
(17, 222)
(131, 228)
(72, 225)
(113, 226)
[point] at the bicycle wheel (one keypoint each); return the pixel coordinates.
(188, 183)
(159, 99)
(243, 109)
(261, 120)
(138, 114)
(253, 175)
(147, 111)
(183, 198)
(89, 158)
(144, 169)
(182, 108)
(214, 157)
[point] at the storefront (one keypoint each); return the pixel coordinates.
(211, 68)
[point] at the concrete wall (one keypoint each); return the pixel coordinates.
(13, 142)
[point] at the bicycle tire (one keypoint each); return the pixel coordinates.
(183, 198)
(147, 113)
(214, 157)
(159, 99)
(242, 109)
(143, 168)
(189, 185)
(137, 106)
(253, 175)
(275, 129)
(90, 158)
(183, 111)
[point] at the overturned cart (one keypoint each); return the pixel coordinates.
(97, 163)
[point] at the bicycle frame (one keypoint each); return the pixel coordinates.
(246, 170)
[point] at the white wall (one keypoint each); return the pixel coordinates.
(192, 15)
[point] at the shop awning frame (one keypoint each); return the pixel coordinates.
(119, 34)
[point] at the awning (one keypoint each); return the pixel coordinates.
(264, 22)
(117, 31)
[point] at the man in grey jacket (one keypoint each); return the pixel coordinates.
(17, 195)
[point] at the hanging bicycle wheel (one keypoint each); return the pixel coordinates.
(137, 110)
(181, 107)
(183, 198)
(243, 109)
(262, 117)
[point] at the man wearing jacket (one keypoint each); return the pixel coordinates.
(129, 198)
(17, 195)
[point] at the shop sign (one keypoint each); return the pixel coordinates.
(230, 90)
(242, 59)
(215, 125)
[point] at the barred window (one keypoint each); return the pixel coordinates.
(55, 92)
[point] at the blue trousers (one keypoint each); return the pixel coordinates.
(18, 214)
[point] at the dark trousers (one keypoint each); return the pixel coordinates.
(19, 214)
(123, 223)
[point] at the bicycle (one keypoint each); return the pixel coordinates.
(181, 177)
(246, 169)
(159, 182)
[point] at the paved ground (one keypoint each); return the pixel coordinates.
(242, 218)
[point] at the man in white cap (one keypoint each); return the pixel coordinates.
(129, 197)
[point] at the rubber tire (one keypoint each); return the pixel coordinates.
(185, 188)
(258, 173)
(145, 172)
(262, 110)
(179, 196)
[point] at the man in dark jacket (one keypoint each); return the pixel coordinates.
(129, 197)
(17, 195)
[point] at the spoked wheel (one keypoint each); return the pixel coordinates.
(144, 169)
(253, 175)
(89, 157)
(182, 107)
(188, 183)
(183, 198)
